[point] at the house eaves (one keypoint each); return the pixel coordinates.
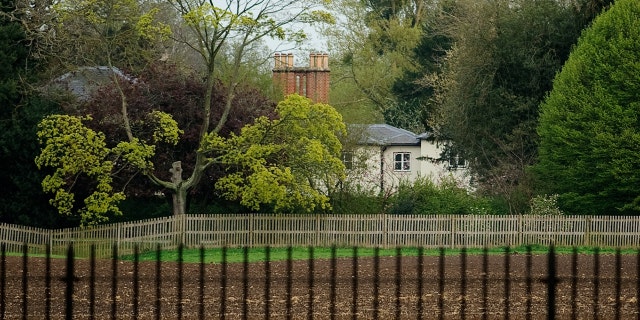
(385, 135)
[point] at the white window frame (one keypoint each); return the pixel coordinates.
(403, 164)
(347, 159)
(457, 162)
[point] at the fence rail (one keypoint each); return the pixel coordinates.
(259, 230)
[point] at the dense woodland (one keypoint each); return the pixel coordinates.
(541, 98)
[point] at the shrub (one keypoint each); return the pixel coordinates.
(545, 205)
(426, 197)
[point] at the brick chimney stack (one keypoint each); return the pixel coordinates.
(311, 82)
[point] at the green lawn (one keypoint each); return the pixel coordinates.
(235, 255)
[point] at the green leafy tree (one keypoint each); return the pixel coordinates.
(373, 45)
(21, 200)
(414, 98)
(588, 129)
(165, 87)
(115, 33)
(220, 32)
(500, 68)
(291, 162)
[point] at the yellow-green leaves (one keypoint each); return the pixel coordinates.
(289, 163)
(148, 28)
(166, 129)
(136, 153)
(74, 152)
(208, 16)
(319, 16)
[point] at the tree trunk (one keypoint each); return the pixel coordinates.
(180, 191)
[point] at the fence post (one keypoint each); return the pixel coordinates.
(118, 235)
(50, 238)
(519, 231)
(587, 230)
(316, 242)
(251, 228)
(453, 231)
(183, 229)
(385, 231)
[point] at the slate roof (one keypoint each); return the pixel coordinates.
(83, 81)
(384, 135)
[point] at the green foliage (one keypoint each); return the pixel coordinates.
(545, 205)
(374, 45)
(289, 162)
(356, 201)
(414, 105)
(78, 153)
(119, 33)
(136, 153)
(23, 201)
(425, 197)
(75, 150)
(589, 137)
(500, 68)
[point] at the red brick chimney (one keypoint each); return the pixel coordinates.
(311, 82)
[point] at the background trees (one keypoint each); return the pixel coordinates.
(373, 45)
(21, 200)
(499, 69)
(589, 138)
(473, 71)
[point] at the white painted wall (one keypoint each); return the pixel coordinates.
(369, 159)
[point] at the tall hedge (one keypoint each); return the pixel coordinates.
(589, 128)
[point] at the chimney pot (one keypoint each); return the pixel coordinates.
(277, 61)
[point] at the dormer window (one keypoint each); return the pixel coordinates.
(402, 161)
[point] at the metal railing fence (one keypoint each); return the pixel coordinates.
(518, 285)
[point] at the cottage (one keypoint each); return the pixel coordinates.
(383, 156)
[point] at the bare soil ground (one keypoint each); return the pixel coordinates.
(456, 302)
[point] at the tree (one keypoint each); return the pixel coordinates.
(277, 162)
(374, 45)
(291, 162)
(22, 200)
(414, 106)
(165, 87)
(502, 63)
(588, 128)
(120, 33)
(232, 29)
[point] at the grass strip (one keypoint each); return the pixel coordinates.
(235, 255)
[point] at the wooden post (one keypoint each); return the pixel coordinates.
(519, 231)
(316, 242)
(385, 231)
(587, 230)
(251, 228)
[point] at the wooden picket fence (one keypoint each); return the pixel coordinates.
(259, 230)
